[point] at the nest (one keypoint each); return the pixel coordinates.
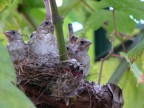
(50, 83)
(58, 80)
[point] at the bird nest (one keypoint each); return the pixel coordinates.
(60, 80)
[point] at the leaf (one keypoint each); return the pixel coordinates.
(12, 97)
(123, 10)
(133, 93)
(4, 3)
(123, 66)
(134, 68)
(7, 71)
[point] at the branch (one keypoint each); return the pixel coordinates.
(112, 48)
(123, 66)
(85, 3)
(58, 22)
(48, 10)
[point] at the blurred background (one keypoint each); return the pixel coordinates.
(92, 19)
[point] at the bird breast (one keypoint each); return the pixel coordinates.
(44, 44)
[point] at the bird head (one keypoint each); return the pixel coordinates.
(46, 26)
(83, 44)
(12, 35)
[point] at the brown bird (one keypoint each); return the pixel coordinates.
(43, 45)
(17, 48)
(79, 51)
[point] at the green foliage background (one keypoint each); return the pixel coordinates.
(73, 11)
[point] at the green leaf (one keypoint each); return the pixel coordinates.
(12, 97)
(4, 3)
(133, 93)
(134, 68)
(7, 71)
(123, 10)
(97, 20)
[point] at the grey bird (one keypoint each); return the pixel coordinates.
(17, 48)
(43, 45)
(79, 51)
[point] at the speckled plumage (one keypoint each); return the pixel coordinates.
(18, 50)
(79, 51)
(43, 43)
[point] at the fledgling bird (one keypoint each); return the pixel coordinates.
(42, 43)
(79, 51)
(16, 46)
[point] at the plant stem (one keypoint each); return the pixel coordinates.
(58, 22)
(112, 47)
(86, 4)
(48, 10)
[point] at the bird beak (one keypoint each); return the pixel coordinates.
(6, 33)
(89, 43)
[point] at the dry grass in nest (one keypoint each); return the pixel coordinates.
(57, 82)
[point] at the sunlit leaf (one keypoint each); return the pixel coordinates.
(133, 93)
(134, 68)
(4, 3)
(123, 10)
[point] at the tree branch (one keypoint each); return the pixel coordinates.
(58, 22)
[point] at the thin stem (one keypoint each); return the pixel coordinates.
(86, 4)
(125, 36)
(71, 34)
(112, 48)
(48, 10)
(58, 22)
(114, 21)
(70, 29)
(123, 44)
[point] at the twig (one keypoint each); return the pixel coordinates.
(70, 29)
(85, 3)
(58, 22)
(123, 44)
(125, 36)
(102, 62)
(48, 10)
(112, 47)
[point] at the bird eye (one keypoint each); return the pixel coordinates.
(82, 42)
(13, 32)
(68, 48)
(46, 23)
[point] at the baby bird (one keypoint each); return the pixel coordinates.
(79, 51)
(17, 48)
(42, 43)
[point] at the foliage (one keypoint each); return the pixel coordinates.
(4, 3)
(76, 11)
(10, 95)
